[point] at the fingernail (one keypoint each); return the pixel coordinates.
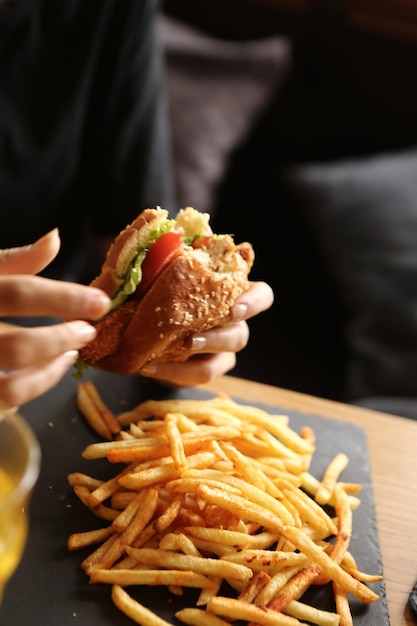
(100, 296)
(198, 343)
(149, 370)
(240, 311)
(100, 303)
(86, 331)
(70, 356)
(51, 235)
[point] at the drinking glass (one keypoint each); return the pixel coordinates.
(19, 470)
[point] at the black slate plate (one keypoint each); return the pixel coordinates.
(49, 586)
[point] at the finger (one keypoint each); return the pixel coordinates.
(231, 338)
(35, 296)
(33, 258)
(22, 347)
(197, 370)
(21, 386)
(260, 297)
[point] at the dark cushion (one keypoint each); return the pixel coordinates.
(216, 90)
(363, 214)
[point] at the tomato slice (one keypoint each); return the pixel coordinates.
(160, 254)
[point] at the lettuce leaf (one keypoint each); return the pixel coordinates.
(134, 271)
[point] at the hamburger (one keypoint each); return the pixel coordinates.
(167, 278)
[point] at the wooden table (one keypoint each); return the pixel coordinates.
(392, 443)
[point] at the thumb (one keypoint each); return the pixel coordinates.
(33, 258)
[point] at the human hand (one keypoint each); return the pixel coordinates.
(215, 350)
(37, 358)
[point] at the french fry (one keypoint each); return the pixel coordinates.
(214, 493)
(91, 413)
(90, 562)
(363, 576)
(106, 415)
(179, 542)
(106, 489)
(332, 473)
(276, 473)
(332, 569)
(204, 565)
(121, 522)
(308, 613)
(266, 560)
(140, 449)
(175, 441)
(254, 586)
(133, 609)
(233, 538)
(248, 470)
(191, 484)
(127, 577)
(83, 480)
(276, 584)
(236, 609)
(295, 587)
(197, 617)
(342, 605)
(152, 475)
(344, 530)
(76, 541)
(311, 484)
(195, 408)
(121, 499)
(253, 494)
(101, 449)
(243, 507)
(351, 487)
(137, 523)
(313, 515)
(206, 594)
(168, 516)
(212, 547)
(100, 510)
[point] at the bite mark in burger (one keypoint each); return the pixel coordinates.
(167, 278)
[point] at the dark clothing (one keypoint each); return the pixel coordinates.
(83, 139)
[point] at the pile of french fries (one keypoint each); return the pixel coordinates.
(217, 496)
